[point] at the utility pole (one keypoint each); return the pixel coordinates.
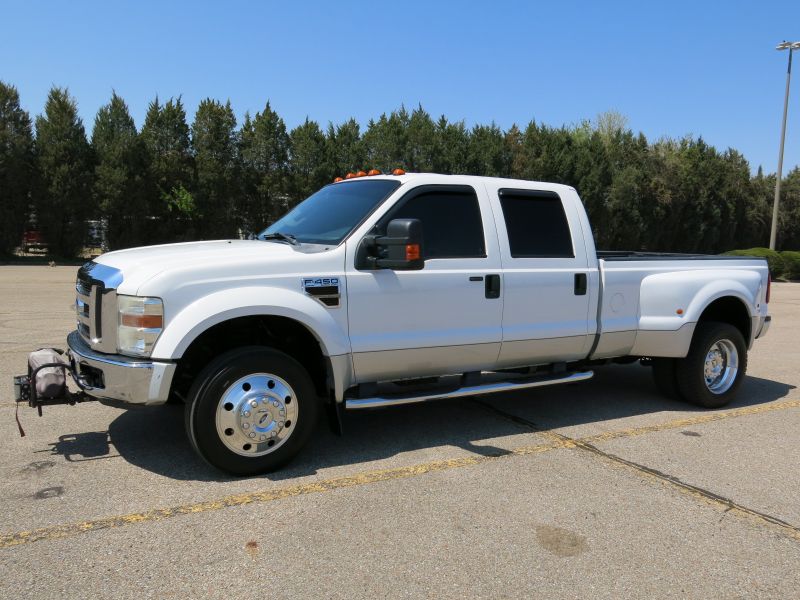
(790, 46)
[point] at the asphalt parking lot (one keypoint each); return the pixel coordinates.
(600, 489)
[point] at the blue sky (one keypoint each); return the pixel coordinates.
(673, 68)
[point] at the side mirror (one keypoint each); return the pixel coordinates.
(401, 249)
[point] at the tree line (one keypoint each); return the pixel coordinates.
(215, 178)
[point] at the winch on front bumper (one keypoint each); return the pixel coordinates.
(99, 376)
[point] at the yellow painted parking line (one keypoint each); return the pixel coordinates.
(72, 529)
(555, 441)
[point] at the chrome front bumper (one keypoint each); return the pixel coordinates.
(117, 377)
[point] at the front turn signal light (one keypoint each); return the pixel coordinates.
(140, 323)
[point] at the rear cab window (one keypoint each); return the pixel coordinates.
(536, 224)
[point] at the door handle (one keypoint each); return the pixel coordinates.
(580, 284)
(492, 286)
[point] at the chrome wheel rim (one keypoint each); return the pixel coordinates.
(721, 366)
(256, 414)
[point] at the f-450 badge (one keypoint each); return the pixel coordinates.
(324, 289)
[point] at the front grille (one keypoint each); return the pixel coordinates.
(95, 304)
(89, 325)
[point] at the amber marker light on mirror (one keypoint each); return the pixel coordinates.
(412, 252)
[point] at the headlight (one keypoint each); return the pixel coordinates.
(140, 322)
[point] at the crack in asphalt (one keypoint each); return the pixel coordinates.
(728, 505)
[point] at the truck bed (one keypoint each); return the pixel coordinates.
(648, 300)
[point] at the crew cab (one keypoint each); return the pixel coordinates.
(389, 289)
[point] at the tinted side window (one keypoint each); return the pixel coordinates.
(537, 225)
(451, 223)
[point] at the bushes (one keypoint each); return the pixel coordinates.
(791, 262)
(784, 264)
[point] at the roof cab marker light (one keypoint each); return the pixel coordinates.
(369, 173)
(398, 172)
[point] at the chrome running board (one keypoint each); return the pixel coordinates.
(473, 390)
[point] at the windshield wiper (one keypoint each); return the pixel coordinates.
(283, 237)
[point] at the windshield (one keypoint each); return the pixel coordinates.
(329, 215)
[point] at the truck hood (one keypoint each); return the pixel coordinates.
(140, 265)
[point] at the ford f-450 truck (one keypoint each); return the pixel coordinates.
(388, 289)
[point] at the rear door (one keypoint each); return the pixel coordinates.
(439, 319)
(546, 314)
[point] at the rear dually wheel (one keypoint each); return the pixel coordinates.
(715, 366)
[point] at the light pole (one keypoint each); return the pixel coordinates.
(790, 46)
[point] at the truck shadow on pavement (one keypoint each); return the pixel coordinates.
(154, 438)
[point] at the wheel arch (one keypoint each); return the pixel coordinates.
(198, 317)
(732, 310)
(281, 333)
(289, 321)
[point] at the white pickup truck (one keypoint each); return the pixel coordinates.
(389, 289)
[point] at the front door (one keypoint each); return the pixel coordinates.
(437, 320)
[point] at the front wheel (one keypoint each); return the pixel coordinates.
(714, 369)
(251, 410)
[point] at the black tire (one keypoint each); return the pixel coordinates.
(205, 397)
(689, 371)
(664, 378)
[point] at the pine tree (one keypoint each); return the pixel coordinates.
(789, 220)
(309, 169)
(16, 168)
(264, 149)
(170, 165)
(345, 148)
(385, 143)
(215, 142)
(64, 158)
(515, 152)
(487, 152)
(451, 147)
(420, 142)
(757, 219)
(119, 183)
